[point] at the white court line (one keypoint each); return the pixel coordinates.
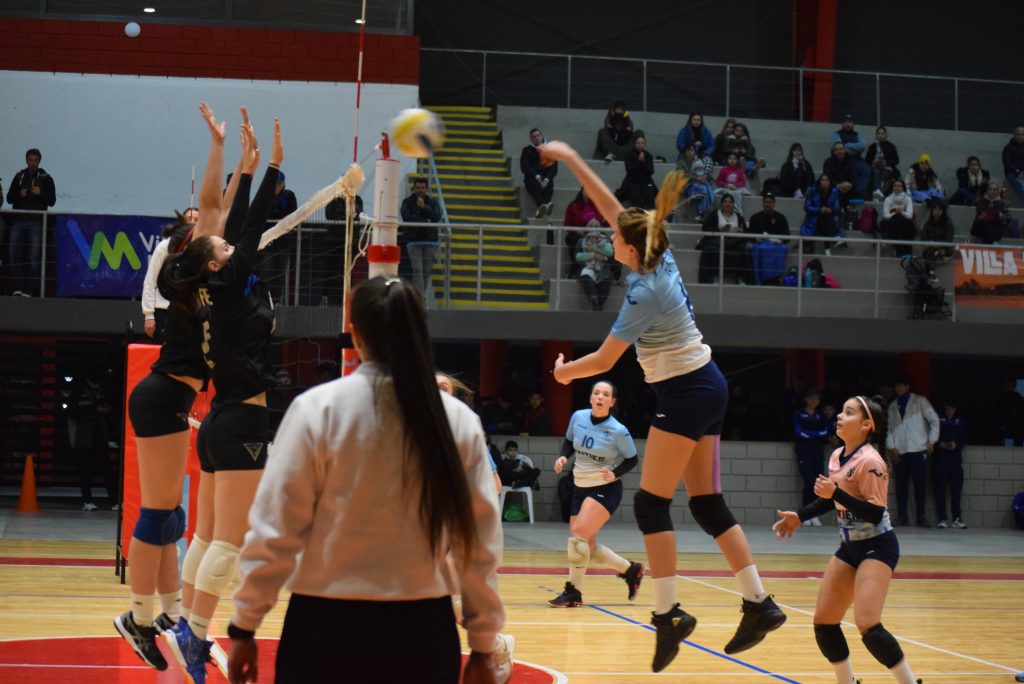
(850, 624)
(761, 674)
(76, 667)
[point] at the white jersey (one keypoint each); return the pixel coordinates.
(597, 445)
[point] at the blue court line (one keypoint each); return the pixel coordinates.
(723, 656)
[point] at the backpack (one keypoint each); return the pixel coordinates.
(868, 220)
(921, 282)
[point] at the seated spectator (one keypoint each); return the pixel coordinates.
(686, 160)
(922, 181)
(1013, 162)
(884, 161)
(972, 181)
(796, 176)
(516, 469)
(638, 188)
(938, 227)
(769, 256)
(697, 134)
(737, 249)
(500, 416)
(732, 181)
(724, 141)
(700, 191)
(768, 221)
(538, 178)
(615, 139)
(840, 168)
(594, 254)
(745, 151)
(992, 215)
(855, 147)
(897, 222)
(536, 420)
(821, 214)
(581, 213)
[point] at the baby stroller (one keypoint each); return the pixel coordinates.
(923, 285)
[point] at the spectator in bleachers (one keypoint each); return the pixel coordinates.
(1013, 161)
(768, 221)
(737, 249)
(883, 159)
(273, 261)
(992, 215)
(897, 222)
(516, 469)
(745, 151)
(500, 416)
(581, 213)
(796, 176)
(768, 256)
(697, 134)
(821, 210)
(938, 227)
(972, 181)
(421, 241)
(724, 141)
(840, 167)
(686, 160)
(594, 254)
(922, 181)
(732, 181)
(32, 189)
(638, 188)
(700, 190)
(855, 147)
(538, 179)
(536, 420)
(614, 140)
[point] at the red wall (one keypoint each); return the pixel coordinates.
(98, 47)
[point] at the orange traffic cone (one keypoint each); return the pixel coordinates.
(27, 501)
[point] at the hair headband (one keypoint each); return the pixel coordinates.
(867, 411)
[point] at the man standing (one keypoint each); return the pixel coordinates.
(32, 189)
(538, 179)
(855, 147)
(913, 432)
(421, 241)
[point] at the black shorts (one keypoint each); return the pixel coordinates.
(885, 547)
(692, 405)
(234, 437)
(159, 406)
(608, 495)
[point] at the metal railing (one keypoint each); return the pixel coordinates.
(493, 77)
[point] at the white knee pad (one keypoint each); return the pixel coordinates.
(579, 551)
(193, 557)
(217, 569)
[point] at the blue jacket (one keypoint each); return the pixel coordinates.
(685, 138)
(810, 427)
(812, 207)
(953, 430)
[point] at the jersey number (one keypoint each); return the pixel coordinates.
(588, 442)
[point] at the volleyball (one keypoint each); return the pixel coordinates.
(417, 132)
(132, 29)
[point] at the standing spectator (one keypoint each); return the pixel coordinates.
(154, 304)
(31, 190)
(516, 469)
(737, 249)
(854, 146)
(796, 177)
(883, 159)
(638, 186)
(971, 180)
(992, 215)
(898, 218)
(327, 281)
(700, 190)
(841, 167)
(938, 228)
(810, 432)
(88, 411)
(923, 182)
(913, 432)
(581, 213)
(536, 421)
(745, 151)
(947, 466)
(697, 134)
(614, 140)
(768, 256)
(821, 207)
(724, 141)
(272, 263)
(539, 179)
(732, 181)
(421, 241)
(594, 253)
(1013, 162)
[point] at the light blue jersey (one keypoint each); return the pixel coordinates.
(604, 445)
(657, 317)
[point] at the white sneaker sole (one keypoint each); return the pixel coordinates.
(219, 658)
(179, 657)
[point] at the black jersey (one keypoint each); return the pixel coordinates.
(181, 353)
(235, 311)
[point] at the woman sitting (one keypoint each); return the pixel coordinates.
(972, 181)
(923, 182)
(992, 221)
(796, 177)
(897, 221)
(593, 254)
(638, 186)
(736, 249)
(724, 141)
(581, 213)
(745, 151)
(732, 181)
(883, 159)
(938, 228)
(821, 210)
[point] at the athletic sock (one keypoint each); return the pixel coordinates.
(186, 613)
(750, 584)
(142, 609)
(171, 604)
(844, 672)
(901, 672)
(576, 575)
(664, 594)
(609, 559)
(199, 625)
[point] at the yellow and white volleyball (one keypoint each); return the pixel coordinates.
(417, 132)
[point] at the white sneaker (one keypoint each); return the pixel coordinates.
(218, 657)
(815, 522)
(942, 525)
(540, 211)
(609, 158)
(958, 524)
(502, 658)
(89, 506)
(548, 208)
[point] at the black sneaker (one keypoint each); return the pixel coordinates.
(141, 639)
(758, 620)
(569, 598)
(672, 627)
(163, 622)
(632, 578)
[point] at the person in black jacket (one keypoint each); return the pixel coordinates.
(884, 161)
(810, 431)
(841, 168)
(272, 263)
(538, 179)
(1013, 161)
(947, 466)
(638, 186)
(421, 241)
(796, 176)
(31, 190)
(972, 181)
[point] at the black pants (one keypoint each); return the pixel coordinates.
(947, 469)
(92, 458)
(370, 642)
(596, 293)
(809, 458)
(898, 227)
(540, 195)
(911, 466)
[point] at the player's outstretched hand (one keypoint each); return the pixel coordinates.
(559, 374)
(555, 151)
(243, 661)
(277, 151)
(217, 131)
(788, 524)
(559, 462)
(250, 151)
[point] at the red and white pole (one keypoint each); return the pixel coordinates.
(383, 254)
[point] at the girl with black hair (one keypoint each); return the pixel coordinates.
(857, 489)
(374, 477)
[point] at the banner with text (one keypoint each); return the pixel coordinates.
(103, 255)
(987, 276)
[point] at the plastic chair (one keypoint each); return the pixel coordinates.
(505, 489)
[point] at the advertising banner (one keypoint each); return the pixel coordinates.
(102, 255)
(988, 276)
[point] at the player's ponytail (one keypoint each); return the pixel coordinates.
(645, 230)
(183, 271)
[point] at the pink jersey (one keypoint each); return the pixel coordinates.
(731, 175)
(865, 476)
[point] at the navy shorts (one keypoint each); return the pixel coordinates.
(608, 495)
(692, 405)
(885, 547)
(159, 406)
(234, 437)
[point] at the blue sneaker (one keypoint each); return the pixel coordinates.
(190, 651)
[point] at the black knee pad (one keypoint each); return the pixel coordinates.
(831, 642)
(882, 645)
(652, 512)
(711, 513)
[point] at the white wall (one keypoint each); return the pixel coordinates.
(127, 144)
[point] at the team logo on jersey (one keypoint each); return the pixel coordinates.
(849, 473)
(254, 449)
(875, 472)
